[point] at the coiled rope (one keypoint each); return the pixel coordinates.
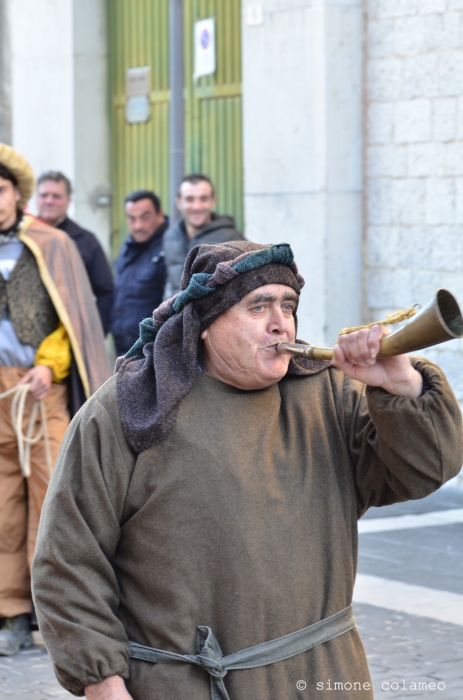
(25, 441)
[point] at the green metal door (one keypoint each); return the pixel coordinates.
(213, 113)
(138, 36)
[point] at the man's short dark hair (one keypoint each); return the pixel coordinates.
(55, 176)
(6, 174)
(194, 178)
(145, 194)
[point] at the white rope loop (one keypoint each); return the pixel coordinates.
(25, 441)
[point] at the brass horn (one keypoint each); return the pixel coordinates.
(438, 321)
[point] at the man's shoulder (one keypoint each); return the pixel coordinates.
(221, 229)
(102, 405)
(75, 231)
(175, 230)
(45, 231)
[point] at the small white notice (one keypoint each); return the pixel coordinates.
(255, 15)
(204, 42)
(137, 106)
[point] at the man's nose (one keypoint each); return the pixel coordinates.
(279, 322)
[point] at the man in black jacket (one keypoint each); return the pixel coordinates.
(140, 269)
(53, 199)
(199, 224)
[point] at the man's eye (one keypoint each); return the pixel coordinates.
(259, 307)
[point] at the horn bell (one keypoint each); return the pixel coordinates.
(439, 320)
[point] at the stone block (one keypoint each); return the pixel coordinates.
(447, 249)
(425, 159)
(455, 5)
(380, 122)
(416, 247)
(420, 77)
(397, 8)
(460, 119)
(380, 39)
(402, 290)
(407, 201)
(440, 201)
(430, 6)
(383, 246)
(443, 31)
(454, 158)
(372, 9)
(412, 121)
(384, 79)
(444, 118)
(451, 73)
(423, 285)
(380, 289)
(379, 201)
(459, 200)
(386, 161)
(409, 35)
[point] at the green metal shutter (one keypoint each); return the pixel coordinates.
(138, 36)
(213, 119)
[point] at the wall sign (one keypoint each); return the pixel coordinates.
(204, 43)
(137, 106)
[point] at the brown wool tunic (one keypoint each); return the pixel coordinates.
(244, 519)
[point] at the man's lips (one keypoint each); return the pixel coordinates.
(272, 346)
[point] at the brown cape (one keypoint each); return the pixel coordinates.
(65, 279)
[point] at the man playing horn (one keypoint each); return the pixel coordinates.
(50, 339)
(199, 538)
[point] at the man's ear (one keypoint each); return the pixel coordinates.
(204, 335)
(17, 194)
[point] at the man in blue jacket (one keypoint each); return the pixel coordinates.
(140, 268)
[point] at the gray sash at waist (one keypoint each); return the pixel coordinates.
(212, 660)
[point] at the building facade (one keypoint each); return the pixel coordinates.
(335, 125)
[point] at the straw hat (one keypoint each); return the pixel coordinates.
(22, 171)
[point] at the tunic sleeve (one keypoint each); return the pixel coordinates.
(75, 589)
(403, 448)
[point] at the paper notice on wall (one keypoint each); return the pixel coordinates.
(204, 43)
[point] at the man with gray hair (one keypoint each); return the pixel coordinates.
(54, 192)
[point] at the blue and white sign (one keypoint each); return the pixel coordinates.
(204, 43)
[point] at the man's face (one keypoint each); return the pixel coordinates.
(240, 345)
(9, 198)
(142, 219)
(195, 203)
(52, 201)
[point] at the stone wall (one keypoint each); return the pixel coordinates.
(414, 160)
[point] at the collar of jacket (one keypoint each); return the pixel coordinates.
(156, 235)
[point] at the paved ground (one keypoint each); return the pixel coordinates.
(404, 651)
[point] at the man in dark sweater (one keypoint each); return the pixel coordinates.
(140, 269)
(53, 199)
(199, 224)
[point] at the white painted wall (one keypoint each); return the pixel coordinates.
(302, 121)
(59, 97)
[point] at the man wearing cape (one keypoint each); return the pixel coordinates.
(52, 358)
